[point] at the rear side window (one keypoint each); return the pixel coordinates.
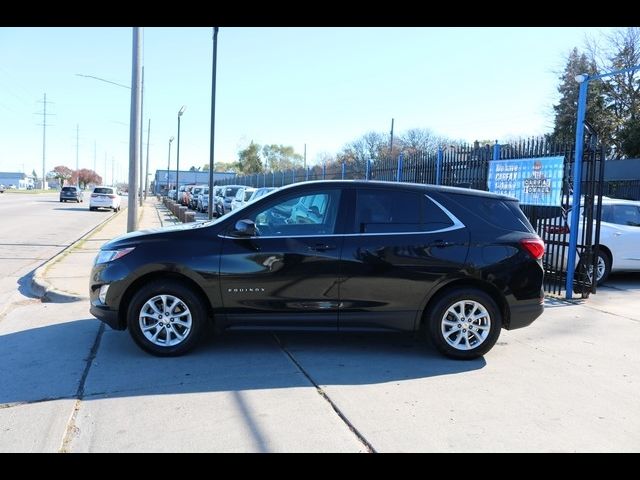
(389, 211)
(503, 214)
(621, 214)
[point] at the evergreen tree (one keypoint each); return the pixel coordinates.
(567, 107)
(249, 159)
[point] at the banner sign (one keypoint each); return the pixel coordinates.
(533, 181)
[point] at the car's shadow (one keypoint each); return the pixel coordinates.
(49, 362)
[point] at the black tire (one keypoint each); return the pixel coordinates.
(91, 209)
(186, 295)
(605, 261)
(481, 303)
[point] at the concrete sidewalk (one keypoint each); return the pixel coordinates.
(65, 278)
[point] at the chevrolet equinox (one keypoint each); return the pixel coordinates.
(459, 264)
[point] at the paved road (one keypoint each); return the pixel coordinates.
(569, 382)
(34, 228)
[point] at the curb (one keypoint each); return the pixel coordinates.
(43, 289)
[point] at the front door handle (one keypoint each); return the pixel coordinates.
(321, 247)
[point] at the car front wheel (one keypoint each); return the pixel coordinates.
(464, 323)
(166, 318)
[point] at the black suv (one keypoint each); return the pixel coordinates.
(336, 255)
(71, 193)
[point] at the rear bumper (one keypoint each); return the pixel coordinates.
(523, 313)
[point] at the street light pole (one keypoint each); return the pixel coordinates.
(169, 166)
(180, 112)
(213, 118)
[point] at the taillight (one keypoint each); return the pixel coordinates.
(112, 196)
(556, 229)
(534, 246)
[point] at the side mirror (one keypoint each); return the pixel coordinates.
(245, 228)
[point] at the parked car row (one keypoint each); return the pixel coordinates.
(226, 198)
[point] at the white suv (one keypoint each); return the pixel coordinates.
(104, 197)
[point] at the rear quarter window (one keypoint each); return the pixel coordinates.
(504, 214)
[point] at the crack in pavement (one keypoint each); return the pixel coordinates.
(361, 438)
(71, 431)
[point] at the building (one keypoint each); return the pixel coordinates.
(18, 180)
(186, 177)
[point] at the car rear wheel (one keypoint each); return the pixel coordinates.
(603, 268)
(464, 323)
(166, 318)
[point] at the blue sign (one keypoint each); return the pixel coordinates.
(533, 181)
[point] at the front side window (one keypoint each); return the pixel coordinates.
(309, 214)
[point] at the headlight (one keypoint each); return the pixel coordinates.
(105, 256)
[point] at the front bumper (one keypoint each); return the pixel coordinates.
(114, 275)
(106, 315)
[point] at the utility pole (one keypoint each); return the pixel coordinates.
(134, 130)
(141, 132)
(94, 156)
(44, 138)
(146, 177)
(105, 169)
(77, 154)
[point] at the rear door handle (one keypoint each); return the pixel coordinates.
(440, 244)
(321, 247)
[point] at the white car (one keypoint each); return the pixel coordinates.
(105, 197)
(619, 237)
(242, 197)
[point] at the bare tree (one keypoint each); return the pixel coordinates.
(370, 146)
(620, 50)
(420, 141)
